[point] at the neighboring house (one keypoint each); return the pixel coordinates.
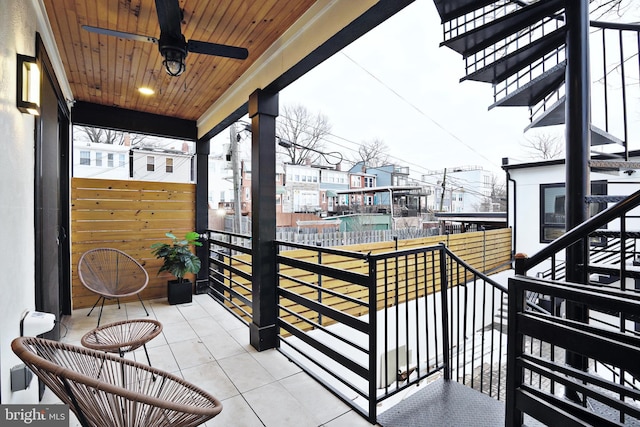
(536, 198)
(302, 184)
(360, 182)
(466, 189)
(220, 184)
(96, 160)
(113, 161)
(161, 165)
(331, 181)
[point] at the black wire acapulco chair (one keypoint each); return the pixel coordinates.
(103, 389)
(112, 274)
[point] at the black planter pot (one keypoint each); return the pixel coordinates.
(179, 293)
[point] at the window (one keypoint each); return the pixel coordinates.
(368, 181)
(121, 161)
(98, 158)
(355, 182)
(169, 165)
(85, 158)
(368, 200)
(552, 203)
(110, 160)
(151, 164)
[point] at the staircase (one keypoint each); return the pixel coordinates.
(519, 48)
(574, 363)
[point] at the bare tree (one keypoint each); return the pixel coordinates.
(373, 153)
(304, 131)
(544, 146)
(109, 136)
(607, 8)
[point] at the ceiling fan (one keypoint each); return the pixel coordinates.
(172, 44)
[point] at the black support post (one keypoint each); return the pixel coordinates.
(578, 141)
(263, 110)
(202, 212)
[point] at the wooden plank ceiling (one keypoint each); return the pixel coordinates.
(108, 70)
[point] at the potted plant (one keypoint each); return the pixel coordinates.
(179, 260)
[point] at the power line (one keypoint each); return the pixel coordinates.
(413, 106)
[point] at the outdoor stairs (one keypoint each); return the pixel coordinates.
(518, 46)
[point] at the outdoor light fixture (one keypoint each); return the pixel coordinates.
(147, 91)
(28, 85)
(174, 52)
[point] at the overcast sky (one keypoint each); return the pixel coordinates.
(398, 85)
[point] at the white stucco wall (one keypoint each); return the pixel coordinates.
(17, 35)
(524, 207)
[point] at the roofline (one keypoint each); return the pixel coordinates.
(553, 162)
(385, 188)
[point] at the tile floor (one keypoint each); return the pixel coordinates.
(209, 347)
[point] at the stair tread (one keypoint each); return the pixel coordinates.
(486, 35)
(605, 198)
(602, 137)
(451, 9)
(510, 64)
(618, 164)
(552, 116)
(535, 90)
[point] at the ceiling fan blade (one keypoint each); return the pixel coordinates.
(169, 18)
(217, 49)
(122, 35)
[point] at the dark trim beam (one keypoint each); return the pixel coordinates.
(202, 212)
(96, 115)
(263, 110)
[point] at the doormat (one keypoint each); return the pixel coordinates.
(445, 404)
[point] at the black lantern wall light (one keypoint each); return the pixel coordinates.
(28, 85)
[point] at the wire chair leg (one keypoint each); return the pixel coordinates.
(100, 316)
(94, 305)
(145, 308)
(79, 412)
(153, 376)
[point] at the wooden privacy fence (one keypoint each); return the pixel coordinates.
(406, 276)
(130, 216)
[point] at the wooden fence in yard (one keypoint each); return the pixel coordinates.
(130, 216)
(486, 251)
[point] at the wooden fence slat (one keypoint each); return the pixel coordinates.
(130, 216)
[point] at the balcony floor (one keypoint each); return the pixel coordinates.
(209, 347)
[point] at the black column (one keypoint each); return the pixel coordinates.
(202, 211)
(263, 110)
(578, 141)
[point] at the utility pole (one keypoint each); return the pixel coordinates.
(237, 188)
(444, 181)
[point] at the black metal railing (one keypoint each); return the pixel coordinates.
(615, 71)
(230, 272)
(543, 346)
(540, 379)
(368, 326)
(614, 218)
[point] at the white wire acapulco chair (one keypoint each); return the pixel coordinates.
(103, 389)
(112, 274)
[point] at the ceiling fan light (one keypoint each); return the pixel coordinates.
(173, 61)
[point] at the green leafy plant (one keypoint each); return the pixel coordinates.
(178, 256)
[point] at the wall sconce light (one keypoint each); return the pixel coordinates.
(28, 87)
